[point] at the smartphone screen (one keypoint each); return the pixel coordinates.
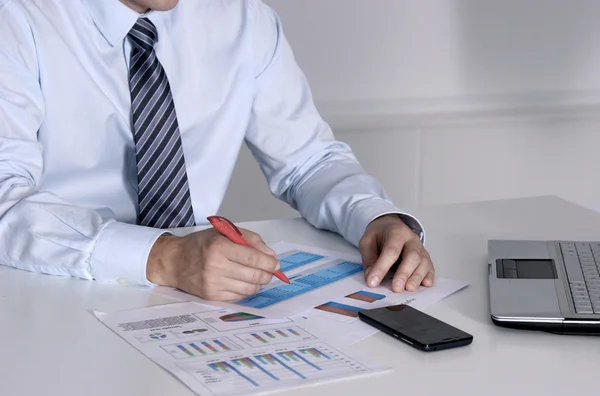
(415, 327)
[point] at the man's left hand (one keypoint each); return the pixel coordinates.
(385, 240)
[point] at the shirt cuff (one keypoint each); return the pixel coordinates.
(122, 251)
(368, 210)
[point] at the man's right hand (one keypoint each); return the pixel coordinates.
(210, 266)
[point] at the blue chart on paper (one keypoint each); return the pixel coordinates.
(297, 260)
(302, 285)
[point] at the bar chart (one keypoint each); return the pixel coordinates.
(303, 284)
(192, 349)
(366, 296)
(340, 309)
(270, 337)
(276, 369)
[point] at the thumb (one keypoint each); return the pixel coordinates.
(257, 242)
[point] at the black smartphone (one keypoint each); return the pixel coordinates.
(415, 328)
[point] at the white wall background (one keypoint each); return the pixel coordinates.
(450, 100)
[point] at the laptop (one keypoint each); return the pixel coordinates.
(552, 286)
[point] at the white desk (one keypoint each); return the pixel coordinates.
(51, 345)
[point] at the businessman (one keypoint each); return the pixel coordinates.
(120, 119)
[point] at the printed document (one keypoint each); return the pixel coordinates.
(229, 352)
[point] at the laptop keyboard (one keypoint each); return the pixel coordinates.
(582, 262)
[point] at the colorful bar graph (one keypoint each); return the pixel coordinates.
(210, 347)
(225, 347)
(306, 361)
(294, 332)
(367, 296)
(269, 358)
(288, 356)
(198, 349)
(259, 338)
(275, 336)
(262, 369)
(315, 352)
(275, 359)
(245, 361)
(185, 350)
(340, 309)
(250, 364)
(219, 365)
(285, 357)
(226, 367)
(261, 359)
(277, 369)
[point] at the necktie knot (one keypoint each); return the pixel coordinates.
(143, 34)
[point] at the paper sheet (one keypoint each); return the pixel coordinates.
(316, 276)
(224, 352)
(341, 313)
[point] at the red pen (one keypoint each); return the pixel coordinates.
(228, 229)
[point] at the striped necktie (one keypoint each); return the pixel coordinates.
(164, 199)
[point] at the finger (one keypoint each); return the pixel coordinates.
(209, 289)
(251, 257)
(391, 250)
(256, 241)
(219, 296)
(368, 253)
(418, 275)
(411, 258)
(239, 287)
(231, 297)
(246, 274)
(429, 279)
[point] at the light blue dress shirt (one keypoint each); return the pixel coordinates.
(68, 176)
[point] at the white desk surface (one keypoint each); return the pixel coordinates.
(50, 344)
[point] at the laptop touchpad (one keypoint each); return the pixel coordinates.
(526, 269)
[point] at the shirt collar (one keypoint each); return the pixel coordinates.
(113, 18)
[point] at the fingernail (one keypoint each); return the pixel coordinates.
(374, 281)
(367, 270)
(278, 266)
